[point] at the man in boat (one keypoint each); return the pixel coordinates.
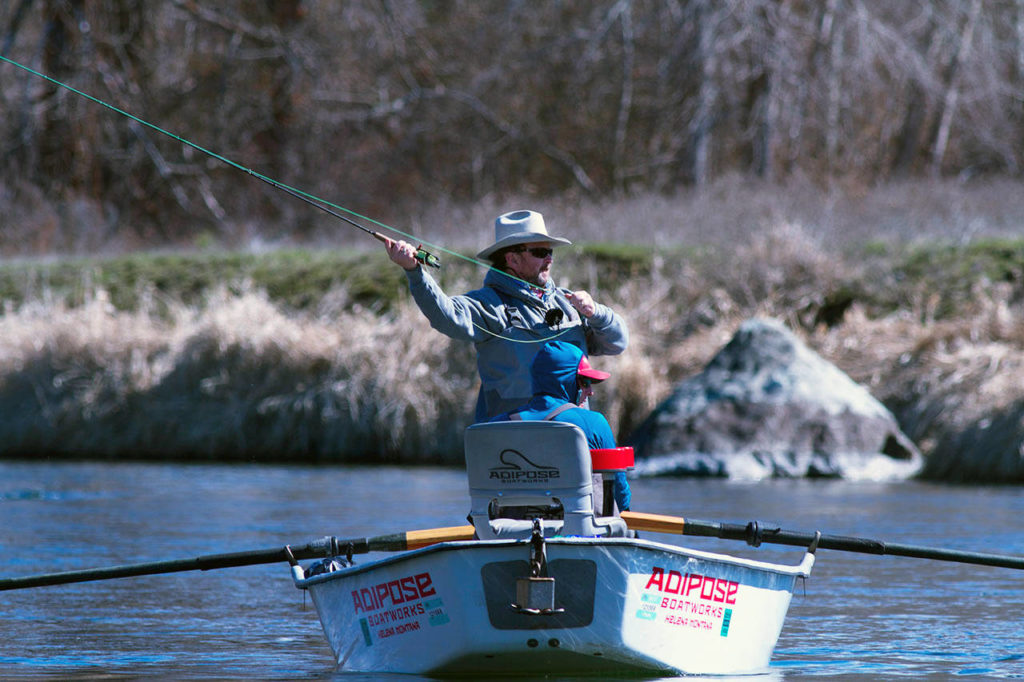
(517, 309)
(562, 381)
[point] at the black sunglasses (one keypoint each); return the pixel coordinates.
(584, 382)
(538, 251)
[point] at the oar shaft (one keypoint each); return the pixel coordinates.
(754, 534)
(325, 547)
(414, 539)
(867, 546)
(319, 548)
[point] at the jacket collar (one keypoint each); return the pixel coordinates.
(511, 286)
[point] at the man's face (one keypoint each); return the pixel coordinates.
(585, 389)
(535, 269)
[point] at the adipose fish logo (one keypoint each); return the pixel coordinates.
(518, 467)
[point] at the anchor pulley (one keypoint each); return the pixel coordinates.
(535, 594)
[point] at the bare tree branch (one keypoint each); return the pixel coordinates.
(623, 9)
(952, 89)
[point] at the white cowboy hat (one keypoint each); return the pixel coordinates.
(520, 227)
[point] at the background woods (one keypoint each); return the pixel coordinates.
(389, 106)
(851, 167)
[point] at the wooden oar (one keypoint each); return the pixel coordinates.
(325, 547)
(754, 534)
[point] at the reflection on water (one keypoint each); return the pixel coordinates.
(857, 616)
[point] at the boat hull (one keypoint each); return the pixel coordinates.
(621, 606)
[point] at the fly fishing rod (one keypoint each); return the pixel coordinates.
(422, 256)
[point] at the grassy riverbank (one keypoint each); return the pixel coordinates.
(318, 355)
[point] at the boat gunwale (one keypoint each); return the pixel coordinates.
(801, 570)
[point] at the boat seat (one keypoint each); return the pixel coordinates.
(523, 470)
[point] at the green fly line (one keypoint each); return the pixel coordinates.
(311, 198)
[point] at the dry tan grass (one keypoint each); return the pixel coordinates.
(233, 377)
(239, 376)
(939, 377)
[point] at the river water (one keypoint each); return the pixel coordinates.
(856, 617)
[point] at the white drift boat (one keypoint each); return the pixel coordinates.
(549, 586)
(540, 583)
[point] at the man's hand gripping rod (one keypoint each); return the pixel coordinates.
(422, 256)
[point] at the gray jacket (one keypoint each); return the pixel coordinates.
(506, 320)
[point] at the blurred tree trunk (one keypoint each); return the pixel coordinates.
(18, 125)
(1017, 85)
(15, 23)
(703, 120)
(766, 103)
(387, 106)
(51, 142)
(830, 34)
(624, 9)
(952, 83)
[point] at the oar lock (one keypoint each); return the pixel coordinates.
(338, 555)
(755, 534)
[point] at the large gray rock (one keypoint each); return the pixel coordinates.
(991, 450)
(767, 405)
